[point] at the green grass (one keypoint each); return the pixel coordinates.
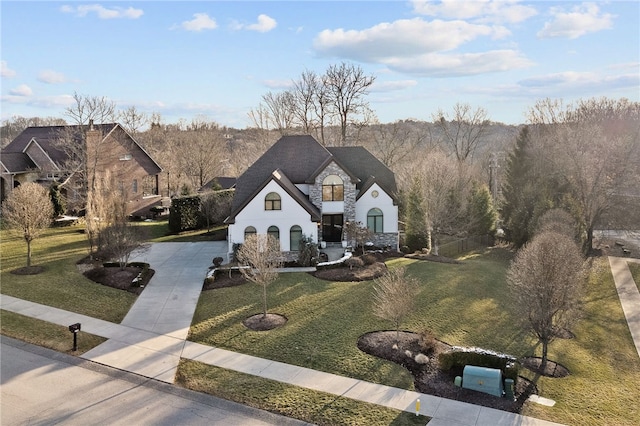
(292, 401)
(45, 334)
(635, 271)
(61, 284)
(604, 385)
(464, 304)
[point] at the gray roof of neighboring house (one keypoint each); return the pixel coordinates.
(298, 157)
(221, 181)
(47, 137)
(16, 162)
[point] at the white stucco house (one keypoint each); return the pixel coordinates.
(299, 187)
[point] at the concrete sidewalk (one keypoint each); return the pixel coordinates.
(146, 349)
(151, 340)
(628, 294)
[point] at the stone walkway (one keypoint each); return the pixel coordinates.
(628, 294)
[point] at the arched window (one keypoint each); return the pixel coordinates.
(374, 220)
(249, 230)
(274, 232)
(295, 235)
(332, 188)
(272, 201)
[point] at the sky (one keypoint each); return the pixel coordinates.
(215, 60)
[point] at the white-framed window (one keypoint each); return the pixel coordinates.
(332, 188)
(272, 201)
(375, 221)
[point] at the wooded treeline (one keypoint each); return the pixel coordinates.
(457, 172)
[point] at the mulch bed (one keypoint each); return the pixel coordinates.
(259, 322)
(29, 270)
(120, 278)
(552, 369)
(428, 378)
(344, 274)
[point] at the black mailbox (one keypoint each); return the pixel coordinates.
(74, 328)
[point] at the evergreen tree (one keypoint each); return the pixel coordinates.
(481, 214)
(415, 218)
(519, 191)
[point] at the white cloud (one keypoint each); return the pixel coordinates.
(278, 84)
(5, 71)
(405, 38)
(390, 86)
(22, 90)
(583, 19)
(508, 11)
(264, 24)
(200, 22)
(51, 77)
(462, 64)
(103, 12)
(571, 80)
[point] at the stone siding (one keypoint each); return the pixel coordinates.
(315, 192)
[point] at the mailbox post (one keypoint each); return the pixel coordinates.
(75, 328)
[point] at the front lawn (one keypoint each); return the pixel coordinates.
(463, 304)
(60, 284)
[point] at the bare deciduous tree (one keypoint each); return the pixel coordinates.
(394, 296)
(545, 282)
(120, 239)
(86, 108)
(594, 148)
(463, 130)
(132, 120)
(346, 86)
(261, 256)
(28, 210)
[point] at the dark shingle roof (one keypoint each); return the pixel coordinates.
(16, 162)
(298, 158)
(47, 136)
(365, 165)
(219, 182)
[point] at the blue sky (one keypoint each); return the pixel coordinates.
(215, 59)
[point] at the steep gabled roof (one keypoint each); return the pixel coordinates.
(298, 159)
(295, 156)
(289, 187)
(16, 162)
(47, 136)
(365, 165)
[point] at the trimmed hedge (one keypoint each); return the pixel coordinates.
(459, 357)
(184, 214)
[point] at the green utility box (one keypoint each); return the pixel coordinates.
(482, 379)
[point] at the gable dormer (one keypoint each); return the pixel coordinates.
(40, 157)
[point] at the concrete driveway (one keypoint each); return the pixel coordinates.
(158, 322)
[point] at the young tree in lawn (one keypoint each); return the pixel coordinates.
(28, 210)
(394, 294)
(260, 255)
(545, 282)
(120, 239)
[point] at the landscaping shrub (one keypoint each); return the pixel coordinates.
(354, 262)
(426, 340)
(309, 253)
(184, 214)
(371, 258)
(459, 357)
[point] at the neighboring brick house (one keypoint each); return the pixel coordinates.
(299, 187)
(35, 155)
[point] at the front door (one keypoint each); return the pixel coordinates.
(332, 227)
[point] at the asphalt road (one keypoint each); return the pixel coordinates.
(44, 387)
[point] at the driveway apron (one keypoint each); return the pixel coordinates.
(158, 322)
